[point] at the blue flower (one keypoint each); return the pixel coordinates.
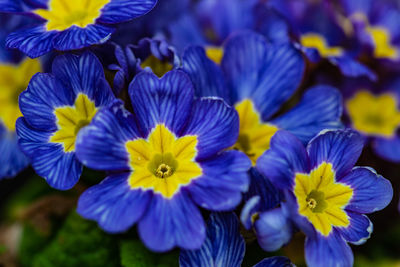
(149, 54)
(257, 78)
(166, 159)
(224, 246)
(377, 116)
(320, 36)
(15, 73)
(376, 25)
(68, 25)
(325, 196)
(56, 107)
(14, 77)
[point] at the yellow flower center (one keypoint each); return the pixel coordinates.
(314, 40)
(71, 119)
(321, 199)
(13, 80)
(215, 53)
(62, 14)
(158, 67)
(382, 42)
(254, 135)
(162, 162)
(374, 115)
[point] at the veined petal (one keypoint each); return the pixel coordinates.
(319, 109)
(172, 222)
(266, 74)
(101, 145)
(224, 246)
(38, 102)
(33, 42)
(207, 77)
(224, 179)
(359, 230)
(113, 204)
(61, 170)
(167, 100)
(123, 10)
(83, 74)
(12, 160)
(215, 123)
(342, 148)
(332, 251)
(286, 157)
(372, 192)
(77, 37)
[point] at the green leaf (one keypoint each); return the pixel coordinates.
(79, 243)
(135, 254)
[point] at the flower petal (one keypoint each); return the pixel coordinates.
(330, 251)
(123, 10)
(215, 124)
(76, 37)
(83, 74)
(286, 157)
(207, 77)
(37, 103)
(113, 204)
(172, 222)
(319, 109)
(224, 246)
(273, 229)
(12, 160)
(388, 149)
(266, 74)
(61, 170)
(34, 42)
(167, 100)
(277, 261)
(101, 145)
(371, 193)
(223, 181)
(342, 148)
(359, 230)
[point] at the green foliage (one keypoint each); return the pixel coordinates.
(79, 243)
(32, 242)
(134, 254)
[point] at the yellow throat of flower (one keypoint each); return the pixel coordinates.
(382, 43)
(13, 80)
(314, 40)
(374, 115)
(62, 14)
(71, 119)
(162, 162)
(321, 199)
(254, 135)
(215, 53)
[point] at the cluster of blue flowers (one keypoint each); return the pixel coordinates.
(200, 109)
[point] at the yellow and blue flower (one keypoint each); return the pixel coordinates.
(56, 107)
(326, 197)
(68, 25)
(224, 246)
(319, 35)
(14, 78)
(377, 116)
(165, 160)
(257, 78)
(148, 55)
(376, 25)
(15, 73)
